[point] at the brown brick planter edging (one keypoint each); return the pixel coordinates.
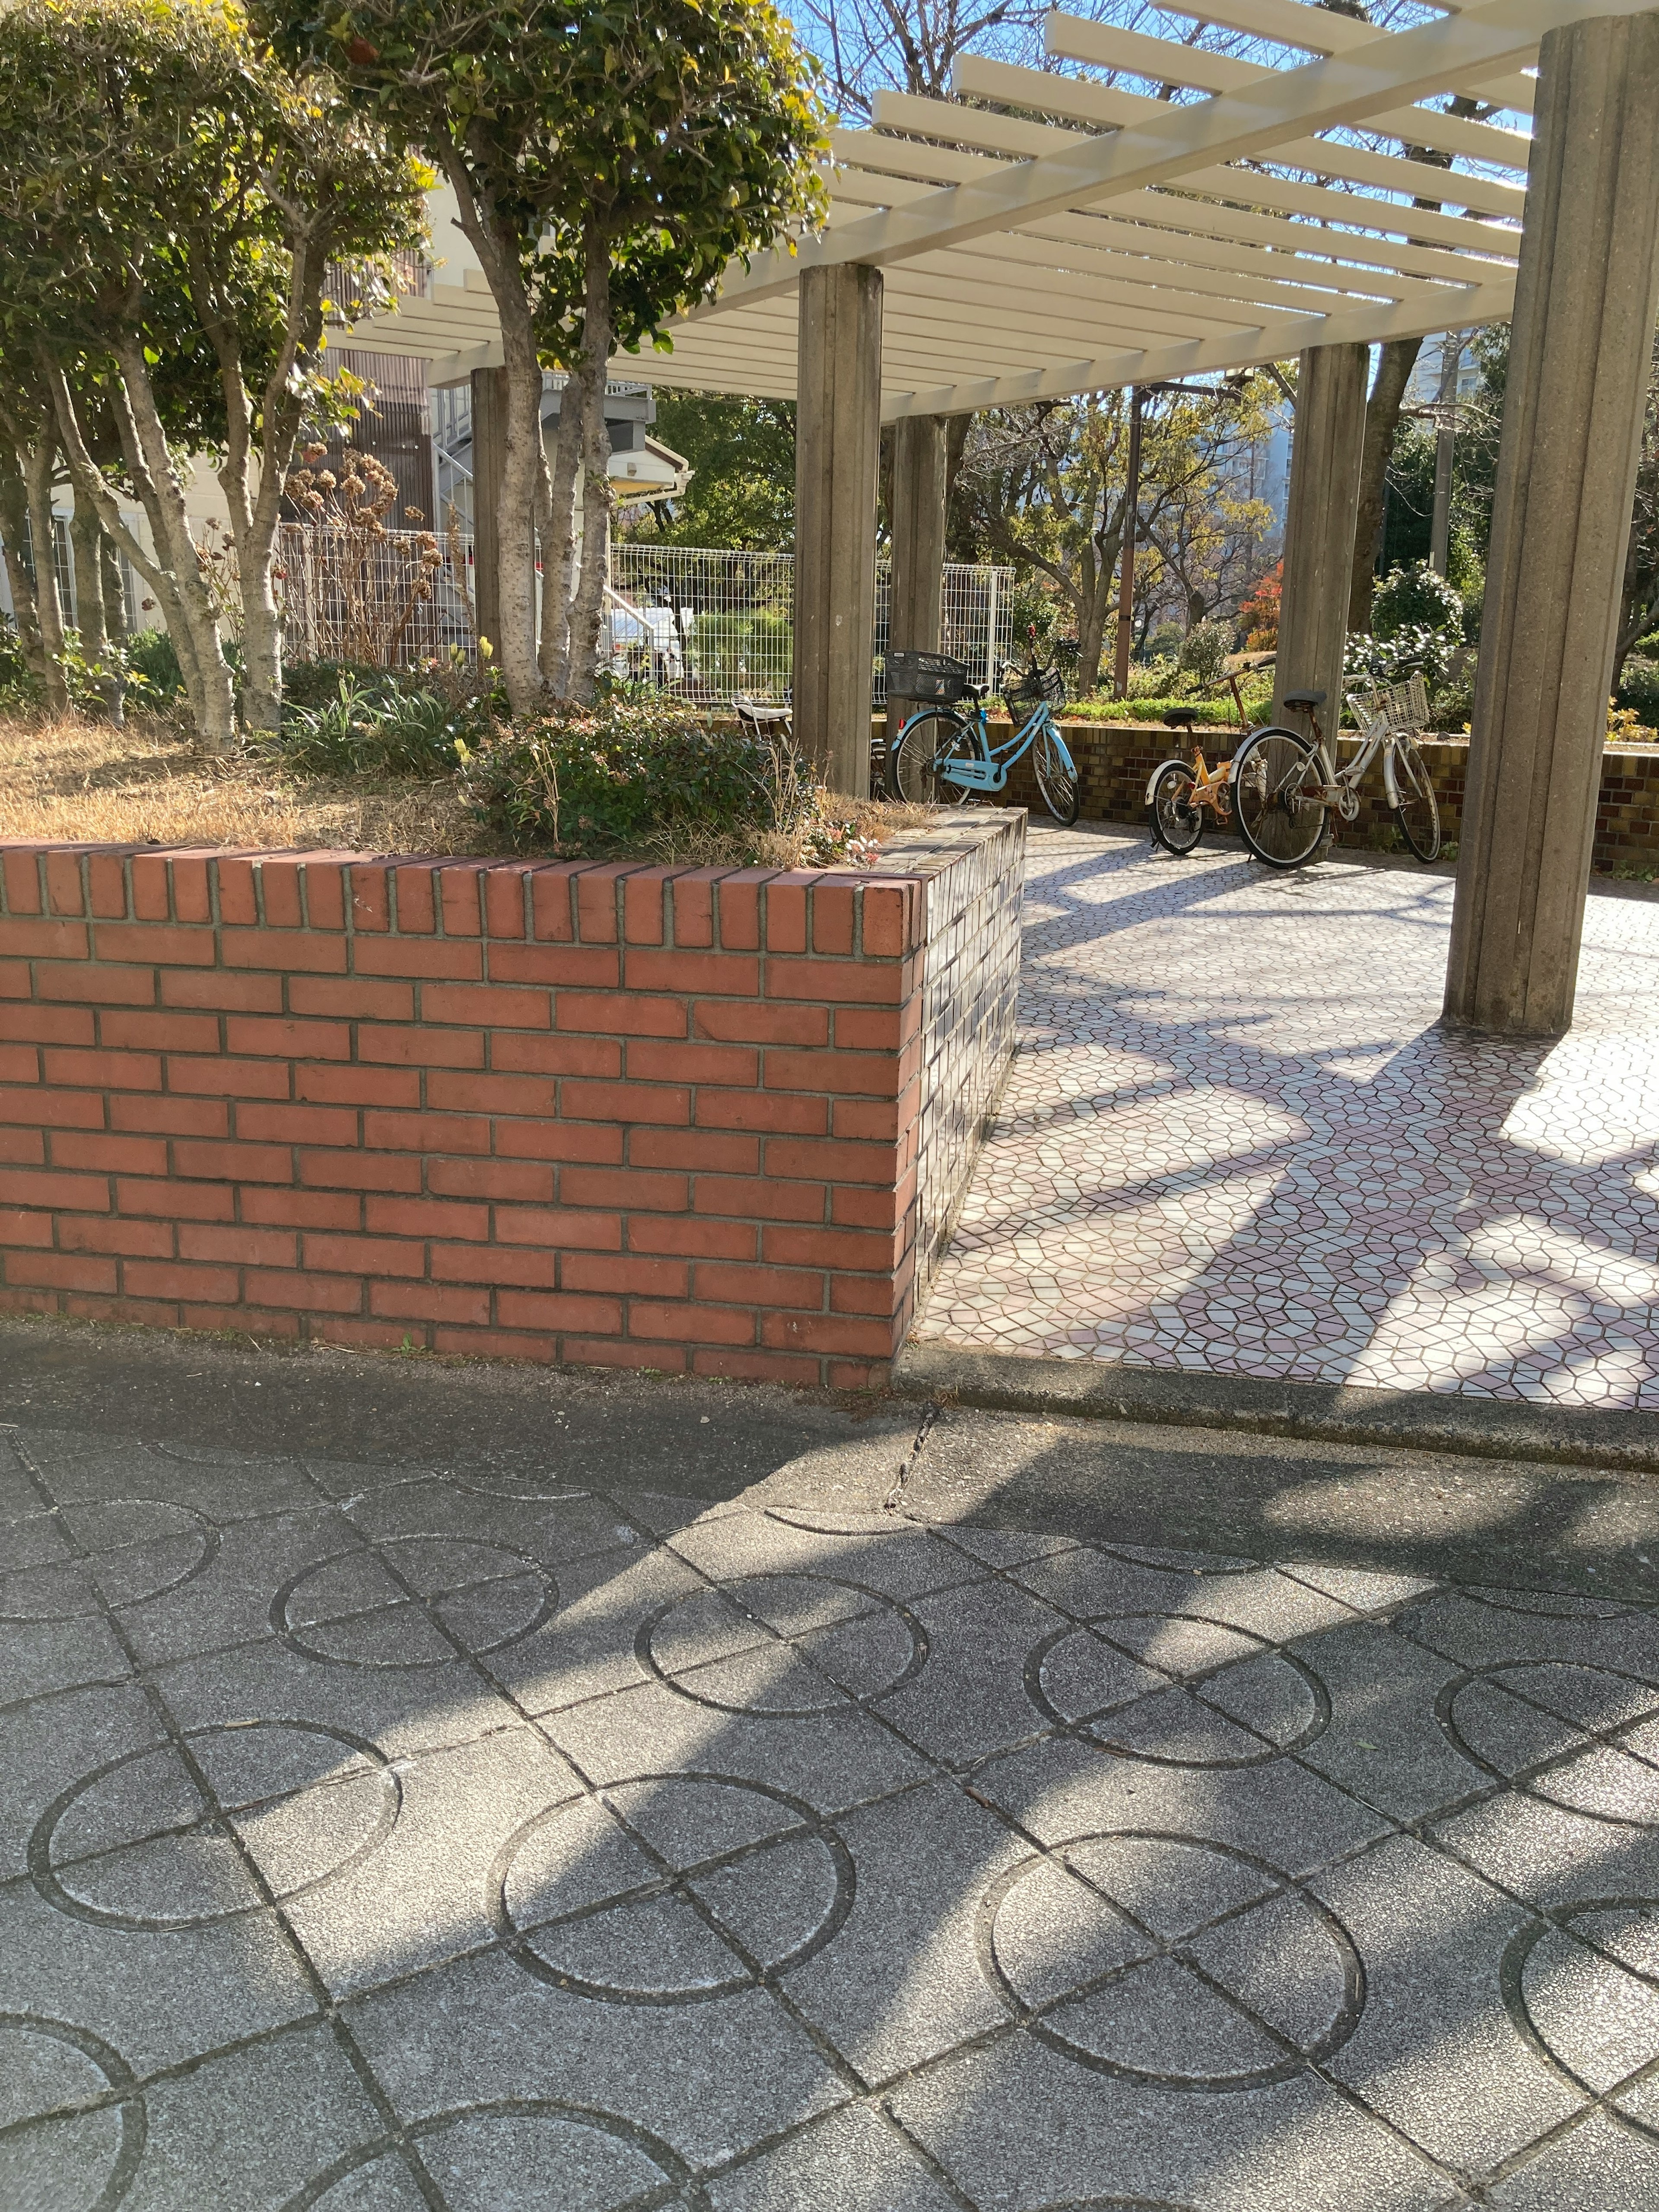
(605, 1115)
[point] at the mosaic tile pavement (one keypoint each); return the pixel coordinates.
(1236, 1140)
(377, 1837)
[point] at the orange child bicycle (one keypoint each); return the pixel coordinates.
(1180, 792)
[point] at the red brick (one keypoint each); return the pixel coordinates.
(764, 1198)
(606, 1187)
(19, 1063)
(791, 1332)
(229, 1078)
(325, 884)
(857, 1374)
(213, 988)
(297, 1125)
(659, 1360)
(426, 1132)
(362, 1256)
(466, 1092)
(799, 1026)
(693, 897)
(288, 1039)
(307, 1294)
(889, 913)
(158, 942)
(60, 1270)
(426, 1216)
(64, 892)
(80, 983)
(595, 901)
(879, 1028)
(103, 1232)
(525, 1266)
(622, 1013)
(767, 1111)
(187, 1202)
(45, 940)
(302, 1209)
(643, 898)
(212, 1162)
(360, 1170)
(723, 1284)
(558, 1309)
(14, 979)
(161, 1032)
(22, 1148)
(190, 900)
(103, 1071)
(169, 1116)
(855, 982)
(689, 1324)
(880, 1121)
(699, 1150)
(328, 1084)
(493, 1179)
(870, 1294)
(353, 997)
(452, 958)
(650, 1062)
(107, 875)
(487, 1006)
(53, 1109)
(785, 912)
(78, 1148)
(457, 883)
(416, 1046)
(867, 1074)
(20, 867)
(312, 953)
(666, 1104)
(875, 1208)
(417, 912)
(554, 1055)
(858, 1248)
(594, 965)
(145, 1313)
(587, 1144)
(450, 1301)
(725, 975)
(835, 1163)
(623, 1271)
(495, 1344)
(738, 902)
(504, 899)
(280, 890)
(563, 1228)
(833, 917)
(151, 893)
(26, 1229)
(238, 902)
(785, 1367)
(552, 904)
(371, 898)
(687, 1233)
(238, 1244)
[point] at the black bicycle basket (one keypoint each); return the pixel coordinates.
(1025, 690)
(929, 677)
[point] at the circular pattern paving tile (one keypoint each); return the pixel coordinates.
(66, 1565)
(1235, 1699)
(84, 2161)
(219, 1824)
(670, 1889)
(1170, 1960)
(527, 2151)
(1584, 1988)
(793, 1646)
(1583, 1738)
(414, 1601)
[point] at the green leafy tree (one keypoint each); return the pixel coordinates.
(742, 489)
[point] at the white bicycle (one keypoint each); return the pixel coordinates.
(1285, 787)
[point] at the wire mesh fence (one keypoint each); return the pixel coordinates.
(706, 624)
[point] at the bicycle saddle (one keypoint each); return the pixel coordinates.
(1181, 718)
(1307, 699)
(750, 710)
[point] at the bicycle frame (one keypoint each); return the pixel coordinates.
(1342, 784)
(990, 772)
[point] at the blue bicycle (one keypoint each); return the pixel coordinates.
(944, 754)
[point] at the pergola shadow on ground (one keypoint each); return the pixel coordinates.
(455, 1831)
(1238, 1140)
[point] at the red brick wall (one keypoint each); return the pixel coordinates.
(610, 1115)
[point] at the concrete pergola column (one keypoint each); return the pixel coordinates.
(489, 465)
(1579, 353)
(837, 451)
(1326, 448)
(915, 600)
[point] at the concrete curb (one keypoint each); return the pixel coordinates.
(1412, 1420)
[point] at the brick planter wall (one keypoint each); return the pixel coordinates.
(610, 1114)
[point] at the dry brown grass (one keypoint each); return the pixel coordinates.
(85, 782)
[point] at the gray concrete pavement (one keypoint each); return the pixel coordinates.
(405, 1807)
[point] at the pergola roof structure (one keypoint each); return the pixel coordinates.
(1077, 235)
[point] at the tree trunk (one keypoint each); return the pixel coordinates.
(14, 530)
(1394, 370)
(43, 543)
(86, 540)
(1094, 608)
(558, 536)
(587, 604)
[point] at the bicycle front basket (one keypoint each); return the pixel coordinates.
(1025, 690)
(928, 677)
(1400, 707)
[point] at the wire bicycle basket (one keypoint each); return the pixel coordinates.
(929, 678)
(1025, 690)
(1397, 707)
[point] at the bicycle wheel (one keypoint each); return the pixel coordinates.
(1056, 774)
(1278, 782)
(926, 744)
(1176, 823)
(1418, 811)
